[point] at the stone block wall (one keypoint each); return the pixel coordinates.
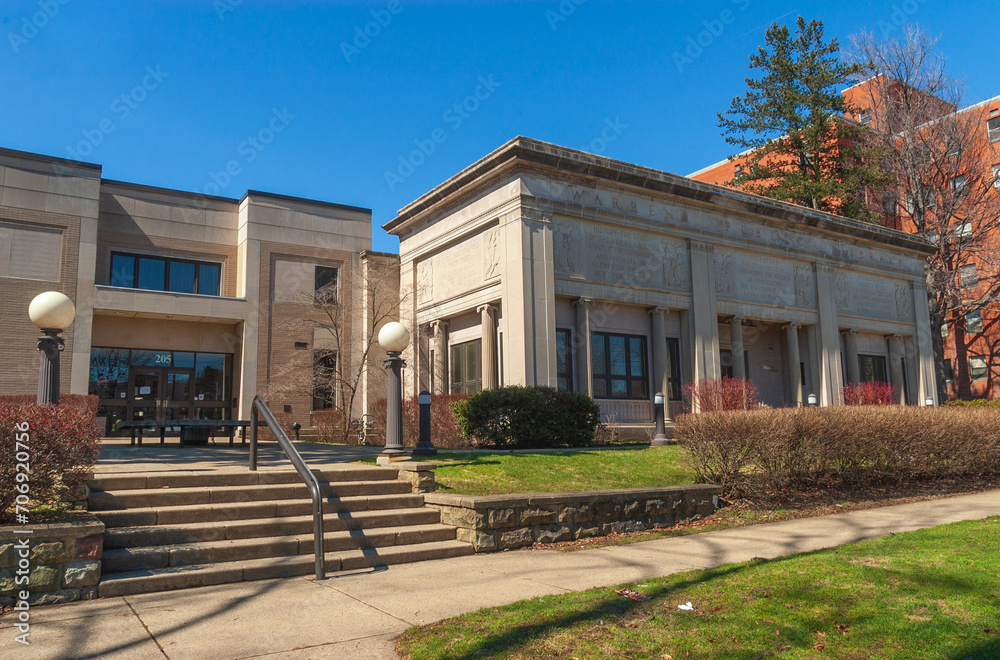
(503, 522)
(63, 561)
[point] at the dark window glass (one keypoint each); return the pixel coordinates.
(872, 369)
(152, 274)
(673, 370)
(324, 379)
(208, 279)
(978, 367)
(210, 377)
(109, 373)
(465, 369)
(183, 360)
(619, 369)
(178, 386)
(122, 270)
(564, 361)
(326, 284)
(182, 276)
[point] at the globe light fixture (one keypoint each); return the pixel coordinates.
(393, 338)
(52, 312)
(812, 400)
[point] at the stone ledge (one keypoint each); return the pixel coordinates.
(87, 525)
(482, 502)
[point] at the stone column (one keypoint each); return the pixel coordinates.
(828, 352)
(853, 366)
(794, 363)
(440, 330)
(896, 354)
(704, 313)
(489, 329)
(812, 363)
(736, 347)
(584, 382)
(658, 315)
(926, 379)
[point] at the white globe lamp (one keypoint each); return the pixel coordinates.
(52, 312)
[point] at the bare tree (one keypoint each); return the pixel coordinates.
(344, 325)
(941, 161)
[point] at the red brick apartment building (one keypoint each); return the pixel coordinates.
(972, 341)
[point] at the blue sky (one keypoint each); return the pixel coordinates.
(323, 99)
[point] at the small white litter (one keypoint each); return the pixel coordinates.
(686, 606)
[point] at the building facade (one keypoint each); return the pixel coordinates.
(187, 306)
(541, 265)
(972, 340)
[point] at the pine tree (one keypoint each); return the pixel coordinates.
(792, 121)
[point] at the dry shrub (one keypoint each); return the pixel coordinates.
(63, 444)
(870, 394)
(445, 433)
(850, 446)
(329, 425)
(721, 394)
(264, 431)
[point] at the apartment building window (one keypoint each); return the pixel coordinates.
(889, 202)
(933, 235)
(958, 184)
(949, 371)
(974, 323)
(564, 360)
(993, 129)
(963, 229)
(978, 367)
(134, 271)
(968, 276)
(996, 176)
(865, 116)
(324, 379)
(326, 284)
(944, 330)
(618, 363)
(466, 371)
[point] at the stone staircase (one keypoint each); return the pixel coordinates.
(175, 530)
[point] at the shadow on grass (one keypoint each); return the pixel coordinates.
(987, 651)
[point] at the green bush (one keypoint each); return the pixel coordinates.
(842, 447)
(518, 417)
(973, 403)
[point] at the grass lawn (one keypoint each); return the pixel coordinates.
(553, 472)
(925, 594)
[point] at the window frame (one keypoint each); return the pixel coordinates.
(970, 282)
(566, 375)
(461, 350)
(974, 322)
(993, 129)
(167, 261)
(880, 367)
(983, 371)
(674, 384)
(608, 377)
(334, 289)
(321, 360)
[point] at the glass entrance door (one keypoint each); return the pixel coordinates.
(177, 394)
(157, 394)
(144, 395)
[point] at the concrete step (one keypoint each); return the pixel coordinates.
(214, 552)
(230, 511)
(163, 497)
(198, 575)
(172, 534)
(190, 479)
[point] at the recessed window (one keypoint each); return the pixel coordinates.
(466, 372)
(324, 379)
(944, 330)
(963, 229)
(968, 276)
(737, 170)
(164, 274)
(564, 360)
(674, 369)
(872, 369)
(979, 369)
(326, 284)
(958, 184)
(996, 176)
(993, 129)
(974, 323)
(618, 363)
(865, 116)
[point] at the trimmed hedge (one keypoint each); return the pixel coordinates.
(973, 403)
(518, 417)
(63, 444)
(845, 446)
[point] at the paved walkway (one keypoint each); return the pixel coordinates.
(358, 615)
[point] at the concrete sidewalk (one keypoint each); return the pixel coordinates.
(358, 615)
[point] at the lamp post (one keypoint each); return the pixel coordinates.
(812, 400)
(660, 439)
(393, 338)
(52, 312)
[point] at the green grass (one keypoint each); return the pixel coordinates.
(559, 471)
(927, 594)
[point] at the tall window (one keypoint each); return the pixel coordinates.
(673, 369)
(618, 363)
(968, 276)
(326, 284)
(324, 379)
(974, 322)
(993, 129)
(996, 176)
(978, 368)
(564, 360)
(872, 369)
(165, 274)
(466, 371)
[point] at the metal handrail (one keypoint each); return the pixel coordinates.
(307, 475)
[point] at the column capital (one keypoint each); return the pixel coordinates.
(850, 331)
(794, 325)
(489, 308)
(438, 325)
(658, 310)
(738, 319)
(582, 302)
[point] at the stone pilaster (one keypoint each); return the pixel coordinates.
(440, 330)
(794, 363)
(489, 332)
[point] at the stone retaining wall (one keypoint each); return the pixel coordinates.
(64, 561)
(500, 522)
